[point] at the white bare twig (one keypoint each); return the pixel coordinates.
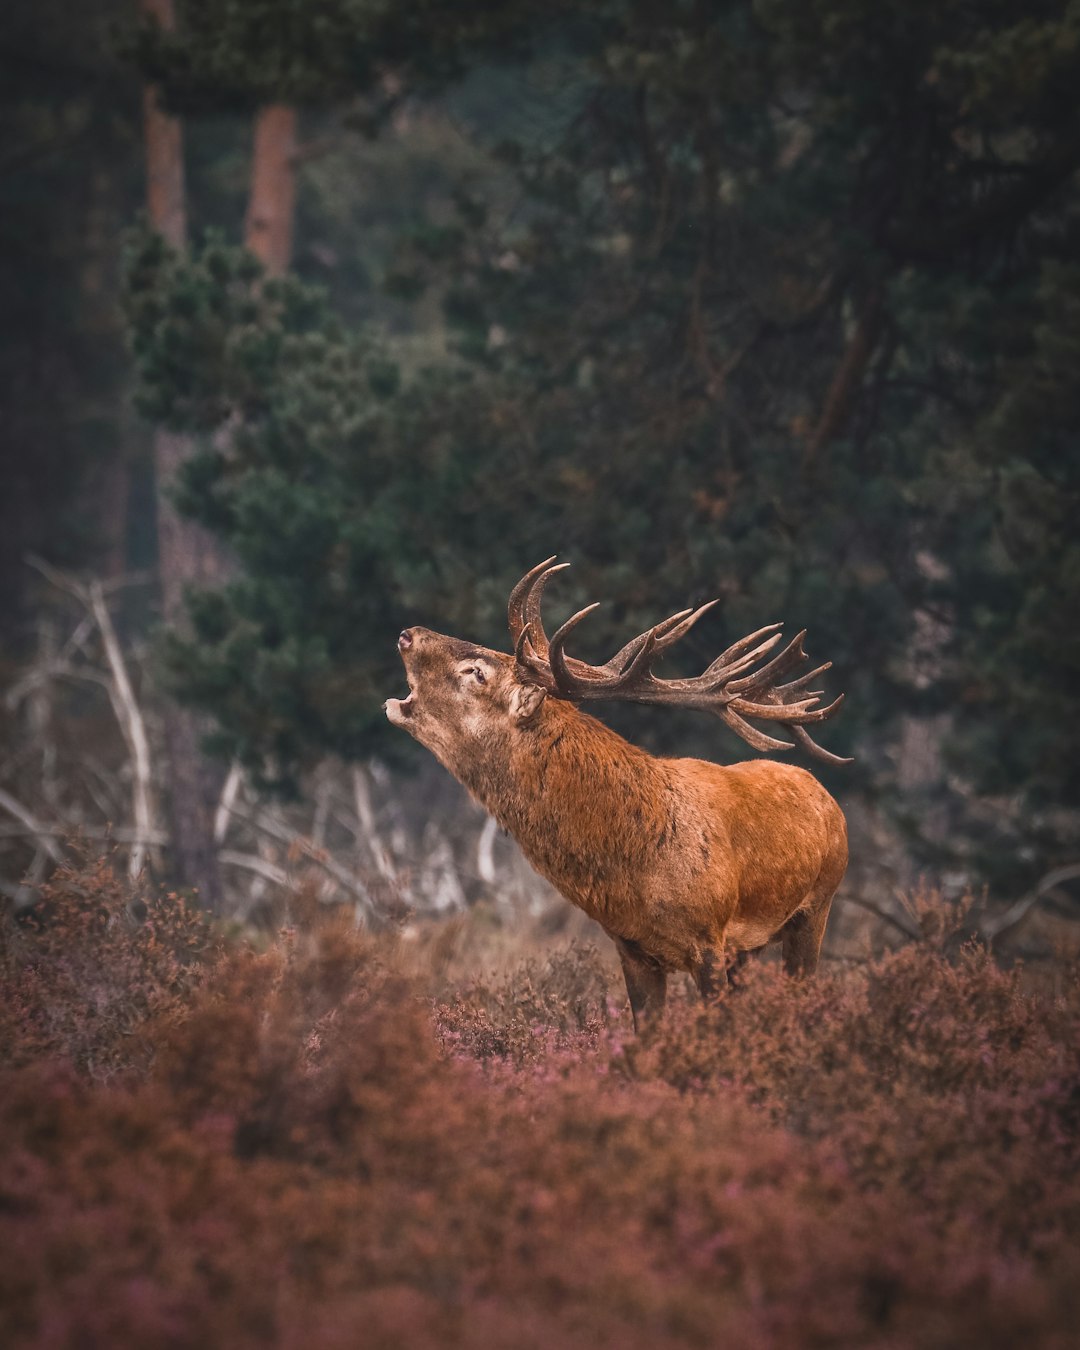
(132, 726)
(251, 862)
(41, 673)
(229, 789)
(45, 836)
(485, 851)
(119, 834)
(323, 789)
(365, 815)
(992, 929)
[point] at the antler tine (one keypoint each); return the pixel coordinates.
(719, 672)
(515, 605)
(567, 682)
(803, 680)
(625, 655)
(520, 655)
(526, 658)
(780, 664)
(666, 633)
(750, 734)
(802, 711)
(532, 607)
(812, 748)
(656, 640)
(738, 648)
(681, 625)
(522, 609)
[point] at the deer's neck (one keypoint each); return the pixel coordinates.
(576, 797)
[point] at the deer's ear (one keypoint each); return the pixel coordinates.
(525, 702)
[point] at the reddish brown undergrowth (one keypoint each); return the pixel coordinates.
(86, 969)
(304, 1146)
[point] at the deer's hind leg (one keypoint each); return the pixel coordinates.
(718, 969)
(710, 974)
(801, 936)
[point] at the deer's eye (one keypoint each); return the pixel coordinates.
(481, 678)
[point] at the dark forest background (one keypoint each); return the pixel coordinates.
(318, 317)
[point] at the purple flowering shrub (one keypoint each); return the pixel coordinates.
(313, 1145)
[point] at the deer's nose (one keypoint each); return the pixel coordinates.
(405, 639)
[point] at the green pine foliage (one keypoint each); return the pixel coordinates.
(238, 56)
(1020, 644)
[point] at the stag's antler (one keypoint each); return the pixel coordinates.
(725, 688)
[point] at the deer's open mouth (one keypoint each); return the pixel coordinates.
(400, 709)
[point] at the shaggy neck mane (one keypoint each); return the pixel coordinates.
(569, 789)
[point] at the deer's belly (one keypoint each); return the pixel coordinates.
(746, 934)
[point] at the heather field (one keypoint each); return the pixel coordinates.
(331, 1139)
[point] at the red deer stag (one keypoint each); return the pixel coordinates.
(687, 865)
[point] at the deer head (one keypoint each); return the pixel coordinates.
(461, 696)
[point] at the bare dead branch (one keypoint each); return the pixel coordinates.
(485, 845)
(992, 929)
(884, 915)
(229, 789)
(120, 834)
(251, 862)
(132, 726)
(349, 881)
(365, 815)
(34, 828)
(121, 695)
(848, 377)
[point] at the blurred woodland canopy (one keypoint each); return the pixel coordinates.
(776, 300)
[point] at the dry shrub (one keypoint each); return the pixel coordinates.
(883, 1159)
(90, 964)
(558, 1004)
(944, 1083)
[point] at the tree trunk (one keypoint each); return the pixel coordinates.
(113, 491)
(109, 485)
(268, 228)
(847, 381)
(187, 555)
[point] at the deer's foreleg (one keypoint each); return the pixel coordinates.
(646, 983)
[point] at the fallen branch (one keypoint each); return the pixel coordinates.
(120, 834)
(884, 915)
(992, 929)
(347, 880)
(44, 836)
(251, 862)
